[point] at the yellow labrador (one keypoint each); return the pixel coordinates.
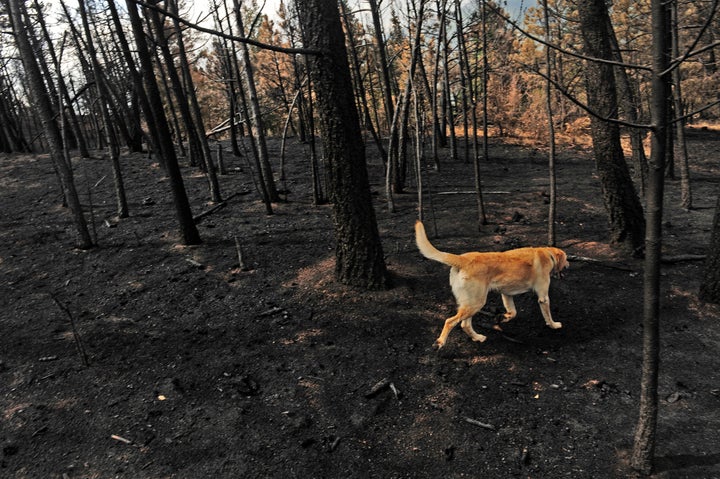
(473, 275)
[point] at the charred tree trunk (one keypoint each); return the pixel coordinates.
(103, 95)
(195, 114)
(383, 65)
(644, 443)
(257, 126)
(685, 188)
(629, 105)
(358, 251)
(551, 127)
(627, 224)
(139, 92)
(188, 230)
(78, 137)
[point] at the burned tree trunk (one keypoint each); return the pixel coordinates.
(625, 213)
(358, 251)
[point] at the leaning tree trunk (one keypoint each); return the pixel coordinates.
(627, 225)
(358, 251)
(72, 119)
(103, 96)
(196, 115)
(447, 104)
(45, 111)
(140, 94)
(383, 63)
(188, 230)
(256, 124)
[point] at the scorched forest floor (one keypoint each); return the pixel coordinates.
(198, 369)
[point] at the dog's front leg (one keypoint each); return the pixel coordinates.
(509, 304)
(544, 302)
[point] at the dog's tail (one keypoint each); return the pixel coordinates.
(430, 252)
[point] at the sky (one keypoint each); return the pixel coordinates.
(514, 7)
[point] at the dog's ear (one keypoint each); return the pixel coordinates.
(561, 261)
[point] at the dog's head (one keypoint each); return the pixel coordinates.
(560, 261)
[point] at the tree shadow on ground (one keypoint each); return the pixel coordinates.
(677, 462)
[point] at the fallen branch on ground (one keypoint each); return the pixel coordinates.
(682, 257)
(468, 192)
(585, 259)
(199, 217)
(483, 425)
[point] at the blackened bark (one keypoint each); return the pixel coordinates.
(625, 213)
(358, 251)
(630, 106)
(644, 442)
(710, 287)
(188, 230)
(103, 96)
(256, 123)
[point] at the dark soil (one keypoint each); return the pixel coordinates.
(200, 370)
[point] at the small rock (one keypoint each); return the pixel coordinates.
(674, 397)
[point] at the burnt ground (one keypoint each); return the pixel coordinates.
(198, 370)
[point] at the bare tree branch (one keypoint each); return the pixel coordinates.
(532, 37)
(691, 49)
(249, 41)
(695, 112)
(583, 106)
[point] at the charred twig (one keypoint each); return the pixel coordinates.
(241, 260)
(378, 388)
(121, 439)
(270, 312)
(585, 259)
(483, 425)
(199, 217)
(76, 333)
(472, 192)
(682, 258)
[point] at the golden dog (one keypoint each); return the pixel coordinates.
(473, 275)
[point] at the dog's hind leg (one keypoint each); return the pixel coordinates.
(467, 326)
(464, 315)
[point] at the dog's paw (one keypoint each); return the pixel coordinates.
(555, 325)
(437, 345)
(479, 338)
